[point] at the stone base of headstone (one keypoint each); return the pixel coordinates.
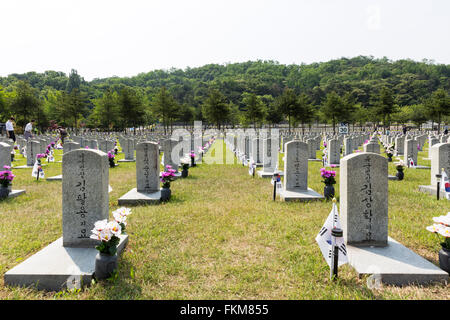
(259, 165)
(305, 195)
(394, 265)
(268, 174)
(15, 193)
(57, 268)
(27, 167)
(315, 160)
(392, 177)
(432, 191)
(420, 167)
(55, 178)
(126, 160)
(133, 197)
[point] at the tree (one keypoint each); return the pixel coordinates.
(74, 81)
(74, 107)
(215, 108)
(130, 108)
(254, 108)
(288, 104)
(385, 105)
(438, 106)
(3, 106)
(24, 102)
(164, 107)
(334, 109)
(305, 111)
(186, 114)
(106, 113)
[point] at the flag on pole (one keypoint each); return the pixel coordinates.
(324, 239)
(445, 185)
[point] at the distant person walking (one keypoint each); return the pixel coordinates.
(62, 133)
(10, 129)
(404, 129)
(28, 130)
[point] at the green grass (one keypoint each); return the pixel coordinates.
(220, 237)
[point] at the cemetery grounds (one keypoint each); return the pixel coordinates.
(220, 237)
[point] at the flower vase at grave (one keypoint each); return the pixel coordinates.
(4, 192)
(389, 157)
(192, 161)
(185, 172)
(444, 259)
(328, 191)
(105, 265)
(400, 174)
(165, 194)
(111, 163)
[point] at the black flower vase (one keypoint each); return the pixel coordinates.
(400, 174)
(184, 173)
(328, 191)
(390, 158)
(192, 162)
(12, 157)
(105, 265)
(165, 194)
(112, 164)
(444, 259)
(4, 192)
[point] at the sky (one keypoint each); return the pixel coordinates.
(103, 38)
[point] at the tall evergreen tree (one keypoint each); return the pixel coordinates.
(254, 108)
(215, 108)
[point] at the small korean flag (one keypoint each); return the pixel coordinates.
(35, 172)
(445, 186)
(324, 238)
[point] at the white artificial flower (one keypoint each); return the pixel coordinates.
(119, 218)
(100, 225)
(115, 228)
(123, 211)
(106, 234)
(434, 228)
(444, 231)
(445, 220)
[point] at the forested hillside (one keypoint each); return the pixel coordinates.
(355, 90)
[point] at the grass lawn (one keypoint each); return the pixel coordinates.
(220, 237)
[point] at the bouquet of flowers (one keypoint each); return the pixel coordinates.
(167, 176)
(390, 151)
(108, 232)
(111, 156)
(328, 176)
(6, 176)
(400, 165)
(442, 227)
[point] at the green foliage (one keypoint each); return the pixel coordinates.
(334, 109)
(106, 110)
(378, 86)
(164, 107)
(215, 108)
(109, 247)
(130, 108)
(254, 108)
